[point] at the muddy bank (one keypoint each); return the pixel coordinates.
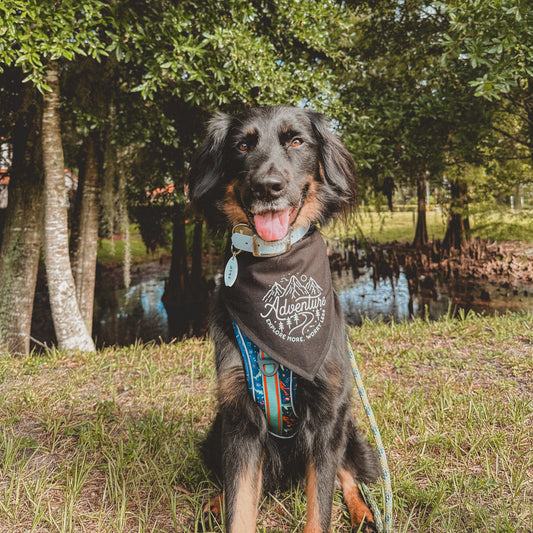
(508, 264)
(505, 264)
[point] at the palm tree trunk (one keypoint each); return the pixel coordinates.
(69, 326)
(84, 233)
(21, 242)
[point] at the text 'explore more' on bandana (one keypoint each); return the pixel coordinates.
(286, 304)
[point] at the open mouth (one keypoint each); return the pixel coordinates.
(274, 225)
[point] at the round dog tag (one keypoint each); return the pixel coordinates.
(231, 271)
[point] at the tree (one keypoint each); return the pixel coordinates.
(89, 89)
(19, 250)
(225, 55)
(58, 32)
(84, 232)
(409, 111)
(177, 57)
(69, 326)
(495, 39)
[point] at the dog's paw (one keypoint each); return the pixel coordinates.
(213, 508)
(365, 527)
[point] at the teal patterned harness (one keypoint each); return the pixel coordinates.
(272, 386)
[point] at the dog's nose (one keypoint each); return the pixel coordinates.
(269, 186)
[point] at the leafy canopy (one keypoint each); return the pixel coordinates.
(496, 37)
(34, 33)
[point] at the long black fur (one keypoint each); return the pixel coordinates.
(327, 435)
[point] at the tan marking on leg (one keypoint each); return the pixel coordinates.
(313, 512)
(356, 505)
(246, 502)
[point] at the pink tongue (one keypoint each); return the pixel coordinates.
(272, 226)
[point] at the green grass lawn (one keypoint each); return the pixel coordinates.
(400, 225)
(108, 442)
(112, 252)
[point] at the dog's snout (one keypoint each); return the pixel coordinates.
(269, 186)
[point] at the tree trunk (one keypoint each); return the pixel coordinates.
(196, 255)
(69, 326)
(186, 296)
(178, 278)
(458, 224)
(84, 234)
(108, 197)
(528, 104)
(19, 254)
(421, 233)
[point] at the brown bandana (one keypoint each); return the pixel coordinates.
(286, 304)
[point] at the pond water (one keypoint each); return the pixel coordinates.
(124, 315)
(391, 299)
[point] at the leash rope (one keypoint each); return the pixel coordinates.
(387, 486)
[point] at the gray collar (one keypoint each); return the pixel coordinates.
(243, 238)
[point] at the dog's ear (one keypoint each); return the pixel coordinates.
(337, 165)
(207, 164)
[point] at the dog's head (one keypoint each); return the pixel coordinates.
(272, 168)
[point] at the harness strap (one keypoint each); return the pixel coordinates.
(272, 386)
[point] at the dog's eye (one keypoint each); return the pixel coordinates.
(243, 147)
(296, 141)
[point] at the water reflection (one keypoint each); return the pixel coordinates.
(124, 315)
(359, 298)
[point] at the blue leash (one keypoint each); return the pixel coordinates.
(387, 486)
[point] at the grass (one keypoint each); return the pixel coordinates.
(108, 442)
(400, 225)
(112, 252)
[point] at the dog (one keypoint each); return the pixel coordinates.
(273, 172)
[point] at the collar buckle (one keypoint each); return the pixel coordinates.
(256, 240)
(244, 238)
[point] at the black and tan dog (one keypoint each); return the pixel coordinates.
(276, 170)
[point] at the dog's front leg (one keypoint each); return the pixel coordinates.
(319, 488)
(243, 458)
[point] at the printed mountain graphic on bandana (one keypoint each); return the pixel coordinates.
(275, 291)
(313, 287)
(294, 307)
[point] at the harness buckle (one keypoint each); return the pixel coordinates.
(262, 363)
